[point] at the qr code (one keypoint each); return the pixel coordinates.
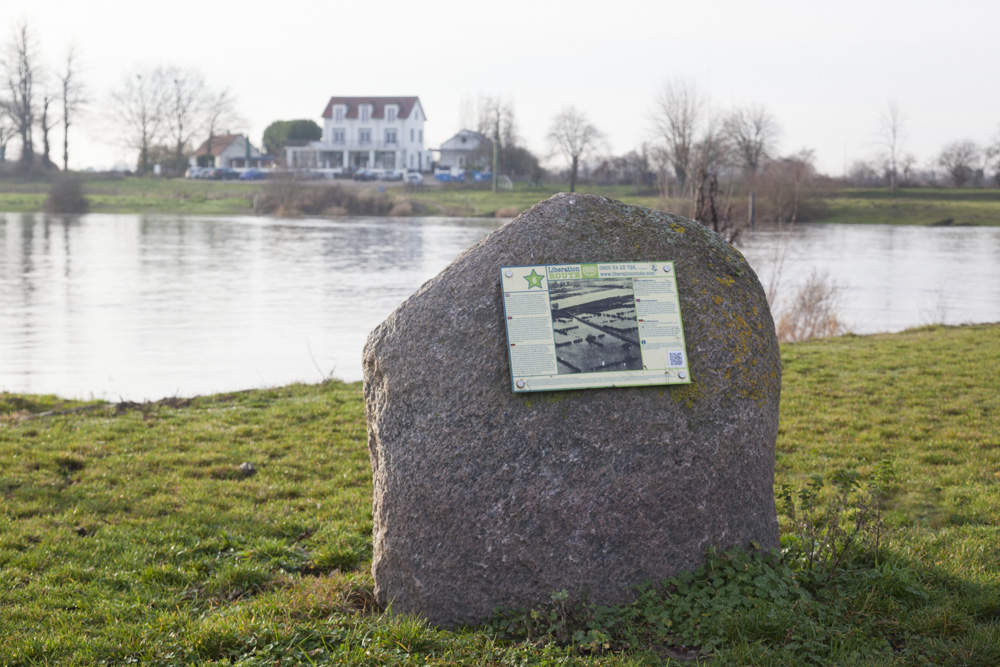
(675, 359)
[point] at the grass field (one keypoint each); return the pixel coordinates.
(140, 195)
(129, 533)
(927, 206)
(508, 203)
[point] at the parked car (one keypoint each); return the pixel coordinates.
(208, 173)
(414, 178)
(192, 172)
(227, 174)
(252, 175)
(392, 175)
(364, 175)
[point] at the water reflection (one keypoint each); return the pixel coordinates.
(889, 277)
(147, 306)
(150, 306)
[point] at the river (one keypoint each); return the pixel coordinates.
(146, 306)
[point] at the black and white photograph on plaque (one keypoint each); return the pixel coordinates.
(595, 325)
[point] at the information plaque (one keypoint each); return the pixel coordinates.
(584, 326)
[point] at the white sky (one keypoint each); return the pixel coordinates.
(824, 70)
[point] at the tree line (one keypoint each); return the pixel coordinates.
(159, 112)
(695, 153)
(34, 98)
(700, 159)
(962, 163)
(156, 112)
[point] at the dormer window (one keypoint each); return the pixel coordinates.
(390, 114)
(366, 112)
(338, 113)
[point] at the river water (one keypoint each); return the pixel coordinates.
(142, 307)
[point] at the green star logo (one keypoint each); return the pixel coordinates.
(534, 280)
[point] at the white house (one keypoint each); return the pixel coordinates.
(229, 150)
(366, 133)
(466, 150)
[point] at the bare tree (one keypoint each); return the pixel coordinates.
(573, 136)
(138, 110)
(219, 111)
(45, 123)
(496, 121)
(184, 107)
(991, 157)
(712, 153)
(20, 72)
(787, 185)
(961, 159)
(891, 134)
(677, 113)
(6, 130)
(71, 93)
(752, 132)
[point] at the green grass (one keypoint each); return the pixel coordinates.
(924, 206)
(128, 533)
(140, 195)
(178, 195)
(483, 202)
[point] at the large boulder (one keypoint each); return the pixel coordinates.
(486, 498)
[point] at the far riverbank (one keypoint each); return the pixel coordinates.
(916, 206)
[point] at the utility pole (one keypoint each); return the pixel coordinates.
(496, 148)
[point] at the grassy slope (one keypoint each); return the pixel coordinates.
(129, 533)
(916, 207)
(141, 195)
(137, 195)
(483, 202)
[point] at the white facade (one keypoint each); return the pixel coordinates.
(465, 150)
(229, 150)
(378, 133)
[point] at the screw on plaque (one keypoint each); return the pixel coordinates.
(682, 375)
(509, 273)
(666, 269)
(520, 384)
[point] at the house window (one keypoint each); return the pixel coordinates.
(338, 135)
(366, 112)
(364, 136)
(391, 114)
(411, 134)
(421, 136)
(390, 137)
(338, 113)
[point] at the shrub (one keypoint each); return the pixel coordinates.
(508, 212)
(813, 312)
(66, 195)
(289, 196)
(401, 209)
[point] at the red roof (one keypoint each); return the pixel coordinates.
(406, 105)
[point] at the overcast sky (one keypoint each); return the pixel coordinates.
(824, 70)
